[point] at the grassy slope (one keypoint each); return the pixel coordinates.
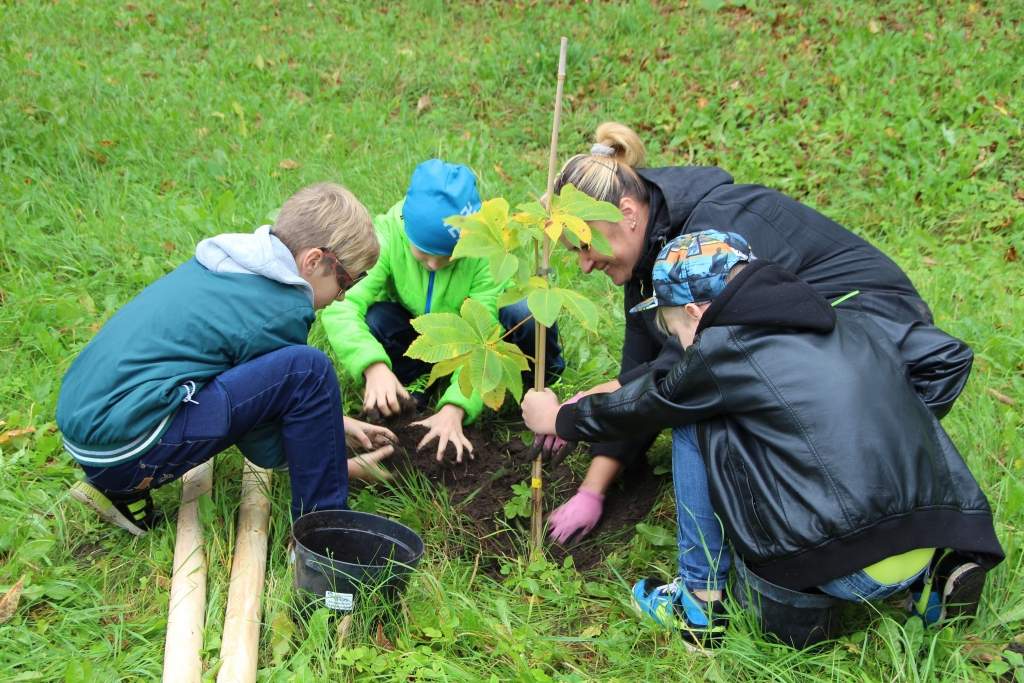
(129, 132)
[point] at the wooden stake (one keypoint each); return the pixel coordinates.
(240, 643)
(540, 345)
(187, 611)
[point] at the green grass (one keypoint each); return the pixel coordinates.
(130, 131)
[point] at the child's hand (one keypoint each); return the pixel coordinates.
(539, 411)
(445, 426)
(384, 392)
(365, 436)
(367, 467)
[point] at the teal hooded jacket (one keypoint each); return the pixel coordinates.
(239, 298)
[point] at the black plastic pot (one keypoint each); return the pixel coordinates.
(342, 556)
(797, 619)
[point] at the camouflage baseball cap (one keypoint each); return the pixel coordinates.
(692, 268)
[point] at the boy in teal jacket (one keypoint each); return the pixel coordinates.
(213, 355)
(370, 330)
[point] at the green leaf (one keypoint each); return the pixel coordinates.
(442, 336)
(579, 307)
(656, 535)
(485, 370)
(479, 319)
(503, 267)
(510, 350)
(581, 205)
(282, 630)
(531, 213)
(513, 376)
(545, 305)
(599, 243)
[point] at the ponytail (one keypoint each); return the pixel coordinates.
(608, 172)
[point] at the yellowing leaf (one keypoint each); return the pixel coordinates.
(289, 164)
(447, 367)
(553, 229)
(576, 226)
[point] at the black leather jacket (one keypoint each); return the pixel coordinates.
(830, 258)
(822, 459)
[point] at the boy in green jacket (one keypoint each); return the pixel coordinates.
(213, 355)
(370, 330)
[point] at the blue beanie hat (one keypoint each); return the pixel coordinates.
(438, 190)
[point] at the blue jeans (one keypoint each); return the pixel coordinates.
(281, 407)
(389, 324)
(704, 559)
(859, 587)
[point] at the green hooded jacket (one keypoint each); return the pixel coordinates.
(400, 278)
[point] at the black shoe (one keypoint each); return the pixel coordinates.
(136, 515)
(951, 591)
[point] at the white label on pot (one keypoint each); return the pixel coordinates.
(339, 601)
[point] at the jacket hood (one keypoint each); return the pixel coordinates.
(675, 191)
(259, 253)
(766, 295)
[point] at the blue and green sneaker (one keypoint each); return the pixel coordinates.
(135, 515)
(952, 590)
(701, 623)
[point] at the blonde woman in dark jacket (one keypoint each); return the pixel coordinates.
(794, 424)
(659, 204)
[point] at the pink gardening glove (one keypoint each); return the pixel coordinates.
(577, 516)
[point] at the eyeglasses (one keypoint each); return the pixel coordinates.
(345, 281)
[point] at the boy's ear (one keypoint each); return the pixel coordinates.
(695, 311)
(308, 260)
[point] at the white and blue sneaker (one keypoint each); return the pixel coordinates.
(700, 622)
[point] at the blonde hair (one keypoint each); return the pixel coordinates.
(328, 215)
(608, 172)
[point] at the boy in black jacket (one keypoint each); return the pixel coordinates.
(795, 423)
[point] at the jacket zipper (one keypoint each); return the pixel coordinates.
(430, 291)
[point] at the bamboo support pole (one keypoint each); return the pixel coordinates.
(540, 345)
(187, 610)
(240, 644)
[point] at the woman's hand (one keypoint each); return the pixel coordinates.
(383, 392)
(539, 411)
(361, 435)
(446, 425)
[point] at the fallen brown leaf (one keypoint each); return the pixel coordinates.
(929, 261)
(12, 434)
(500, 171)
(381, 639)
(423, 104)
(9, 603)
(1011, 254)
(344, 626)
(1001, 397)
(289, 164)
